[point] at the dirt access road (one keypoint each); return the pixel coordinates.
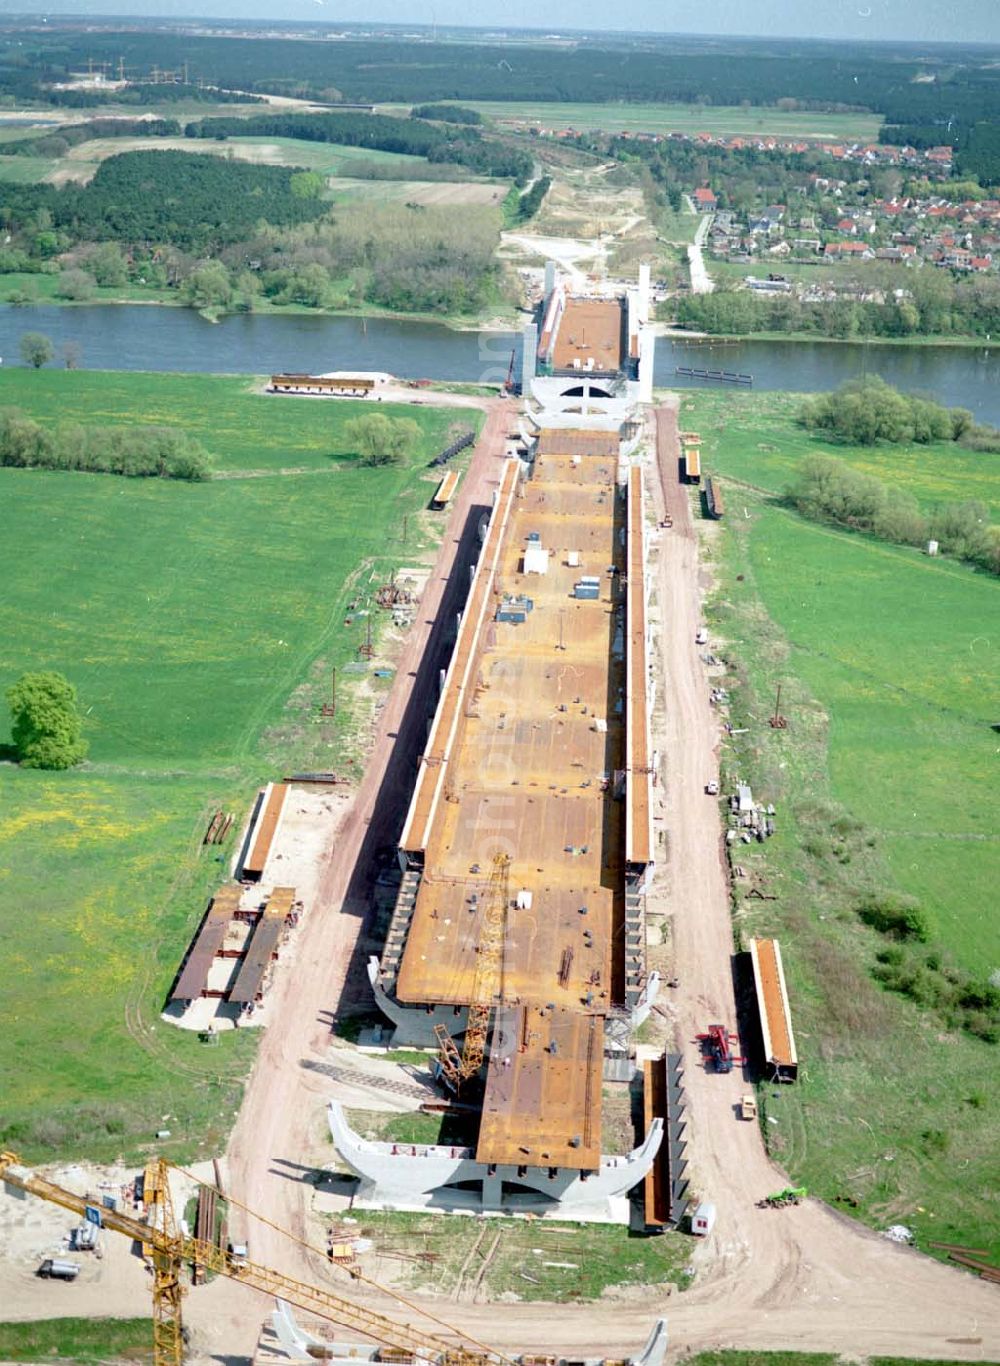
(282, 1108)
(801, 1278)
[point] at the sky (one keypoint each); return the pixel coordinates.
(917, 20)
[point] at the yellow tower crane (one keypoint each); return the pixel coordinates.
(458, 1068)
(170, 1250)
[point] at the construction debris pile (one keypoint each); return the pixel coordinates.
(749, 820)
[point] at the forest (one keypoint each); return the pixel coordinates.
(191, 202)
(818, 75)
(231, 235)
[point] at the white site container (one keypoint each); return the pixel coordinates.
(573, 559)
(536, 560)
(703, 1220)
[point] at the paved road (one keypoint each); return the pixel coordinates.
(701, 283)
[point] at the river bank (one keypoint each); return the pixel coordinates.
(680, 334)
(33, 289)
(139, 337)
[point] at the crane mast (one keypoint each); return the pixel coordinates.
(457, 1068)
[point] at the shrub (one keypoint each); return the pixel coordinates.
(935, 1141)
(75, 285)
(133, 451)
(900, 917)
(381, 440)
(865, 411)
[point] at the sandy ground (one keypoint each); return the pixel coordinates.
(429, 193)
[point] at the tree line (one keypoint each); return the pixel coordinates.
(829, 490)
(463, 146)
(58, 142)
(930, 302)
(446, 113)
(862, 413)
(144, 451)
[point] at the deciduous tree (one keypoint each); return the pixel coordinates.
(45, 721)
(36, 349)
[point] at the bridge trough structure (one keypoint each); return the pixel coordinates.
(406, 1176)
(539, 751)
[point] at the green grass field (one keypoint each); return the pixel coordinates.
(327, 158)
(685, 118)
(899, 651)
(883, 780)
(755, 439)
(25, 170)
(187, 616)
(78, 1340)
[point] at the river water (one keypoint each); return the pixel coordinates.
(147, 337)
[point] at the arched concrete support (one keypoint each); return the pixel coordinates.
(647, 999)
(656, 1346)
(416, 1176)
(299, 1344)
(414, 1024)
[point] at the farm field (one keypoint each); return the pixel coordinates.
(429, 193)
(882, 782)
(26, 170)
(755, 439)
(187, 615)
(81, 162)
(684, 118)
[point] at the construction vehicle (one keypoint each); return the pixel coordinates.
(748, 1106)
(716, 1044)
(455, 1068)
(58, 1269)
(791, 1195)
(170, 1249)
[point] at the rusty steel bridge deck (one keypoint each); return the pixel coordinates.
(527, 756)
(590, 330)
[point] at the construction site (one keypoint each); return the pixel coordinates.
(517, 943)
(495, 890)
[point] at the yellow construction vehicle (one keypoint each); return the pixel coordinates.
(170, 1250)
(456, 1067)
